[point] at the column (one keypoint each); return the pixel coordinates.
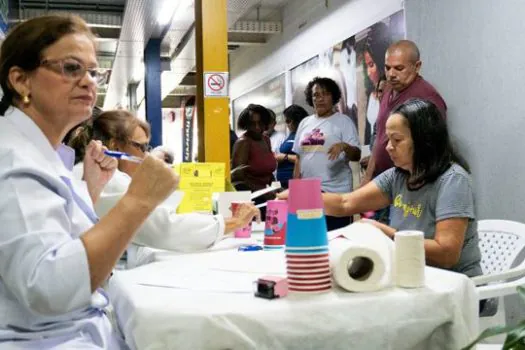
(153, 90)
(211, 31)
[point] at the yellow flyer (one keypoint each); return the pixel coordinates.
(198, 181)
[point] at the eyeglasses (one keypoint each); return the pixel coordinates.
(318, 95)
(144, 147)
(75, 70)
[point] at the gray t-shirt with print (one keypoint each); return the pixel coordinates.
(450, 196)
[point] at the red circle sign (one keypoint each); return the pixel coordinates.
(216, 82)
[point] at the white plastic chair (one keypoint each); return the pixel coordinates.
(501, 242)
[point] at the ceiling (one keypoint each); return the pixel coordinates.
(124, 27)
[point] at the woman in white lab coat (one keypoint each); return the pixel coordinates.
(55, 252)
(120, 130)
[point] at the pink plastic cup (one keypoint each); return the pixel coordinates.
(275, 225)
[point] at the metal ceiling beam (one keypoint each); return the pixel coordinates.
(263, 27)
(94, 19)
(70, 5)
(244, 39)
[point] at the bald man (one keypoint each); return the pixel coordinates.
(402, 65)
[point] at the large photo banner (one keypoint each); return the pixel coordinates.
(270, 95)
(356, 64)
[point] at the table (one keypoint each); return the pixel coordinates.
(442, 315)
(142, 255)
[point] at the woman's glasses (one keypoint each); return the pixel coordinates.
(74, 69)
(144, 147)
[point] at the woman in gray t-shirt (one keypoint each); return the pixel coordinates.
(430, 189)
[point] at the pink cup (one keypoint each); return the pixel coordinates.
(305, 194)
(275, 225)
(245, 232)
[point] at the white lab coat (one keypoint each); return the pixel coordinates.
(45, 294)
(164, 228)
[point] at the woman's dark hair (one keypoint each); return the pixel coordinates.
(273, 116)
(116, 125)
(24, 45)
(244, 120)
(433, 151)
(295, 114)
(377, 42)
(325, 83)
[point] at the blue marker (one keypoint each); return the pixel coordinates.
(123, 156)
(250, 248)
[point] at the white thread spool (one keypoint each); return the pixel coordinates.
(410, 259)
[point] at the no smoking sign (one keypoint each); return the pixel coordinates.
(216, 84)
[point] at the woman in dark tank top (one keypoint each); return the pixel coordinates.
(253, 161)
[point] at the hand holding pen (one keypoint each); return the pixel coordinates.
(123, 156)
(98, 168)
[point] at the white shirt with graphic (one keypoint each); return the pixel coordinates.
(314, 138)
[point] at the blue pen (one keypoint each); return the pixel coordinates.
(123, 156)
(250, 248)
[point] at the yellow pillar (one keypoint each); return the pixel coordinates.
(211, 29)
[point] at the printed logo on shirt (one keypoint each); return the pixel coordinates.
(415, 210)
(313, 141)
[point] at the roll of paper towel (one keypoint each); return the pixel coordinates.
(362, 260)
(410, 259)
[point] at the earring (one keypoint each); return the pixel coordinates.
(26, 100)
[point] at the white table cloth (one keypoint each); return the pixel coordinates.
(142, 255)
(188, 315)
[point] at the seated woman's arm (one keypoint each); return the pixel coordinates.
(366, 198)
(165, 229)
(42, 263)
(454, 209)
(445, 249)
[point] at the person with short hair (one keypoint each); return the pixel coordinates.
(286, 158)
(402, 66)
(325, 143)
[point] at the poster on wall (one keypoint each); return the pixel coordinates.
(270, 94)
(371, 45)
(188, 114)
(172, 131)
(300, 76)
(355, 64)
